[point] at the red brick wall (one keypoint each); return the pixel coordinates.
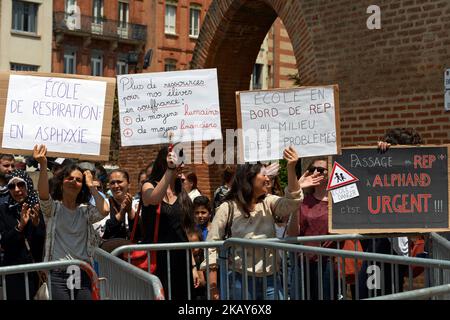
(178, 47)
(391, 77)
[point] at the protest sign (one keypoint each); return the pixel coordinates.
(271, 120)
(405, 189)
(70, 114)
(183, 102)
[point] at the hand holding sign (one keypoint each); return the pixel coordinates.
(291, 156)
(39, 154)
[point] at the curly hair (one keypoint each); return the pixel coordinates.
(57, 185)
(402, 136)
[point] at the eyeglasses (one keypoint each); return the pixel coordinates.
(113, 182)
(20, 185)
(319, 169)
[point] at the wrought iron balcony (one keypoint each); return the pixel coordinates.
(88, 25)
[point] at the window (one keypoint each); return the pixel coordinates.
(170, 18)
(122, 65)
(97, 64)
(257, 76)
(24, 16)
(170, 65)
(70, 6)
(123, 14)
(23, 67)
(194, 21)
(70, 62)
(122, 29)
(97, 11)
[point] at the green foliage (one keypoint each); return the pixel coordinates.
(283, 174)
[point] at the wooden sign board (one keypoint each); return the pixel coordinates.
(305, 117)
(71, 114)
(404, 190)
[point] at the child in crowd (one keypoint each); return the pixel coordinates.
(202, 214)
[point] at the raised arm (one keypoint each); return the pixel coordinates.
(152, 195)
(40, 155)
(291, 156)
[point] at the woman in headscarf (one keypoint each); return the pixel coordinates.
(22, 233)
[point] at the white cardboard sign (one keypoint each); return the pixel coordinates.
(183, 102)
(305, 118)
(345, 193)
(64, 114)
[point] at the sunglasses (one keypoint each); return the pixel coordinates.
(70, 179)
(319, 169)
(113, 182)
(20, 185)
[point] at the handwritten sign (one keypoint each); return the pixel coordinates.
(66, 114)
(306, 118)
(405, 189)
(345, 193)
(184, 102)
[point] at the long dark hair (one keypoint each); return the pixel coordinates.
(242, 188)
(57, 185)
(159, 168)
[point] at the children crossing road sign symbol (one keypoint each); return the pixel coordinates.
(340, 177)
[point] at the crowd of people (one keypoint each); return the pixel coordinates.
(83, 207)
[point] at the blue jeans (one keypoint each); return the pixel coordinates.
(236, 287)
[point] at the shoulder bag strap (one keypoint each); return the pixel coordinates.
(136, 220)
(158, 214)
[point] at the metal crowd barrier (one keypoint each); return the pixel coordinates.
(124, 281)
(439, 248)
(294, 274)
(302, 274)
(46, 267)
(168, 247)
(419, 294)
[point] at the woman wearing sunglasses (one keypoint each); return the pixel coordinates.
(69, 218)
(312, 220)
(22, 233)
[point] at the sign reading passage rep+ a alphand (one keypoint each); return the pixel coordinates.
(405, 189)
(185, 103)
(306, 118)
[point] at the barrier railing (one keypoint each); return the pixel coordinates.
(168, 247)
(419, 294)
(125, 281)
(289, 251)
(46, 267)
(439, 248)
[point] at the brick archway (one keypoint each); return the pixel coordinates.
(230, 40)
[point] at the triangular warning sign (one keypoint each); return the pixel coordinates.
(340, 177)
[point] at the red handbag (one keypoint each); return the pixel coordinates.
(139, 258)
